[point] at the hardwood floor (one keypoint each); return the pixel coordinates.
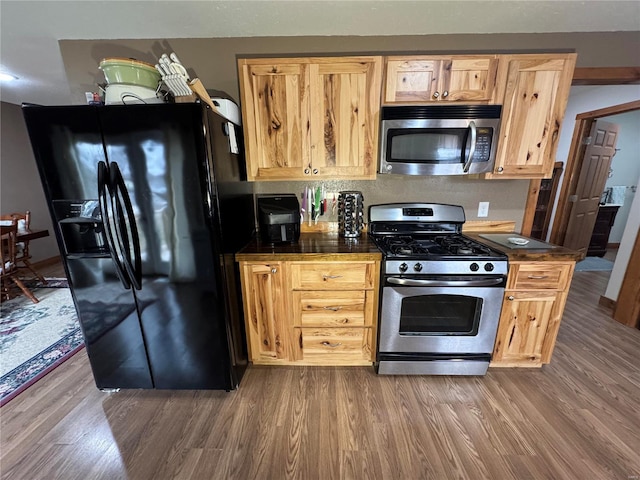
(576, 418)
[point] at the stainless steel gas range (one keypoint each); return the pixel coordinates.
(441, 291)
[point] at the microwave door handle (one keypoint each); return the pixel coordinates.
(472, 147)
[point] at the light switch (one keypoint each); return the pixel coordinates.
(483, 209)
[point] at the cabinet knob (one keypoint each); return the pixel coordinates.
(315, 171)
(500, 169)
(274, 270)
(511, 297)
(307, 171)
(445, 94)
(436, 94)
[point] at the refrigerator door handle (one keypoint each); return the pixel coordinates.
(107, 231)
(128, 236)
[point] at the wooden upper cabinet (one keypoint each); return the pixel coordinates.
(275, 113)
(420, 79)
(345, 106)
(534, 98)
(311, 117)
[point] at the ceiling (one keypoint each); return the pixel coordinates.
(30, 30)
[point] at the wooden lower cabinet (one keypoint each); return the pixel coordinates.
(311, 312)
(532, 309)
(263, 290)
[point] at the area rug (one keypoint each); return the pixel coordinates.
(51, 282)
(35, 338)
(594, 264)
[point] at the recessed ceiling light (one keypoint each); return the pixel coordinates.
(7, 77)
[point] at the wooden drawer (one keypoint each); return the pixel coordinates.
(336, 346)
(330, 309)
(539, 276)
(332, 275)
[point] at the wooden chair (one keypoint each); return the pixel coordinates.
(9, 267)
(23, 256)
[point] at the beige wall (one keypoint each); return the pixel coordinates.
(214, 62)
(20, 187)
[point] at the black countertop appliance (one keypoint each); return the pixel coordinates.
(279, 218)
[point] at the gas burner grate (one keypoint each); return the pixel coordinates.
(432, 246)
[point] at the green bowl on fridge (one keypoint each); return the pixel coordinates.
(129, 71)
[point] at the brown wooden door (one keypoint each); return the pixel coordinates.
(591, 182)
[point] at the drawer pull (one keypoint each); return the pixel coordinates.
(274, 270)
(537, 277)
(333, 309)
(330, 277)
(332, 345)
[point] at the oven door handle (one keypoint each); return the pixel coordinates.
(409, 282)
(472, 147)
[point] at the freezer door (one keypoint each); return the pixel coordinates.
(68, 147)
(109, 321)
(165, 197)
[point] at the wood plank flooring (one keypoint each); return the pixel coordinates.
(577, 418)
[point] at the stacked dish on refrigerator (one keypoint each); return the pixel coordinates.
(130, 81)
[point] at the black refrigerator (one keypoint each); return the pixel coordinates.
(149, 204)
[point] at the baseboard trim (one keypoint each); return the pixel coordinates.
(607, 302)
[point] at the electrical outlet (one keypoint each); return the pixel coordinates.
(483, 209)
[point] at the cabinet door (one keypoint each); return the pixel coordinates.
(535, 98)
(522, 332)
(344, 116)
(275, 112)
(468, 79)
(268, 330)
(411, 79)
(433, 79)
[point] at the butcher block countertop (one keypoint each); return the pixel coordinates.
(327, 246)
(525, 254)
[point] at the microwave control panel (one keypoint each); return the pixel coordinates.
(483, 144)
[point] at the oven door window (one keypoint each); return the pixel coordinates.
(427, 145)
(444, 314)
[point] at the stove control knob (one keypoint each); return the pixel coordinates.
(417, 267)
(488, 267)
(474, 267)
(403, 267)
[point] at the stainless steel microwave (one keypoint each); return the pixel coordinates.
(439, 139)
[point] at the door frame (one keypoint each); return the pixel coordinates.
(581, 76)
(575, 160)
(627, 295)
